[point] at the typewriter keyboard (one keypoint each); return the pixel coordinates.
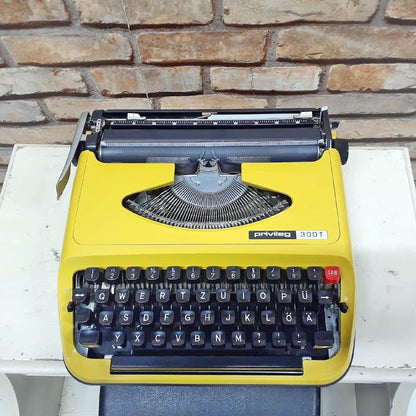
(182, 319)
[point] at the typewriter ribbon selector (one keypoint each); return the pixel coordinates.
(207, 247)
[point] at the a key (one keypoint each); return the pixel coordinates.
(173, 273)
(263, 295)
(289, 318)
(80, 295)
(228, 317)
(102, 295)
(247, 317)
(325, 297)
(207, 317)
(162, 295)
(158, 338)
(212, 273)
(142, 296)
(232, 274)
(125, 318)
(177, 338)
(238, 339)
(268, 317)
(314, 274)
(273, 273)
(105, 318)
(133, 274)
(146, 317)
(152, 274)
(166, 317)
(223, 295)
(305, 296)
(138, 338)
(90, 338)
(202, 295)
(183, 295)
(122, 296)
(323, 339)
(284, 296)
(294, 274)
(253, 274)
(118, 339)
(243, 295)
(197, 339)
(187, 317)
(258, 339)
(92, 275)
(83, 316)
(112, 274)
(299, 339)
(278, 339)
(193, 273)
(309, 318)
(218, 338)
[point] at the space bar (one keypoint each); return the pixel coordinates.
(206, 365)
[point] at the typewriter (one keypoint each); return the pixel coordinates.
(207, 247)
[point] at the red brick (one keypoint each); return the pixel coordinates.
(20, 111)
(353, 103)
(283, 79)
(315, 43)
(266, 12)
(209, 47)
(71, 108)
(59, 49)
(117, 81)
(32, 12)
(372, 77)
(401, 11)
(212, 101)
(31, 80)
(145, 12)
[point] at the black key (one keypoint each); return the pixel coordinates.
(238, 339)
(243, 295)
(258, 339)
(92, 275)
(263, 295)
(253, 274)
(309, 318)
(273, 273)
(187, 317)
(138, 338)
(278, 339)
(228, 317)
(83, 316)
(197, 339)
(183, 295)
(112, 274)
(212, 273)
(218, 338)
(80, 295)
(294, 274)
(118, 339)
(166, 317)
(299, 339)
(105, 318)
(289, 318)
(325, 297)
(268, 317)
(102, 295)
(207, 317)
(177, 338)
(173, 273)
(125, 318)
(223, 295)
(152, 274)
(158, 338)
(314, 274)
(133, 274)
(232, 273)
(203, 295)
(193, 273)
(248, 318)
(305, 296)
(323, 339)
(146, 317)
(142, 296)
(162, 295)
(284, 296)
(90, 338)
(122, 295)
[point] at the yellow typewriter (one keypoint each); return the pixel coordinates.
(207, 247)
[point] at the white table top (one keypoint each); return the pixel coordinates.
(382, 210)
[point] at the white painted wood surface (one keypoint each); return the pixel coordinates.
(381, 203)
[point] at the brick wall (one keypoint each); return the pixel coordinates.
(61, 57)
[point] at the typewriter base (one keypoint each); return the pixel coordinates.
(161, 400)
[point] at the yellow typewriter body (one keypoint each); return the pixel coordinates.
(101, 232)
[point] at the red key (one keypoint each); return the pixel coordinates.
(332, 275)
